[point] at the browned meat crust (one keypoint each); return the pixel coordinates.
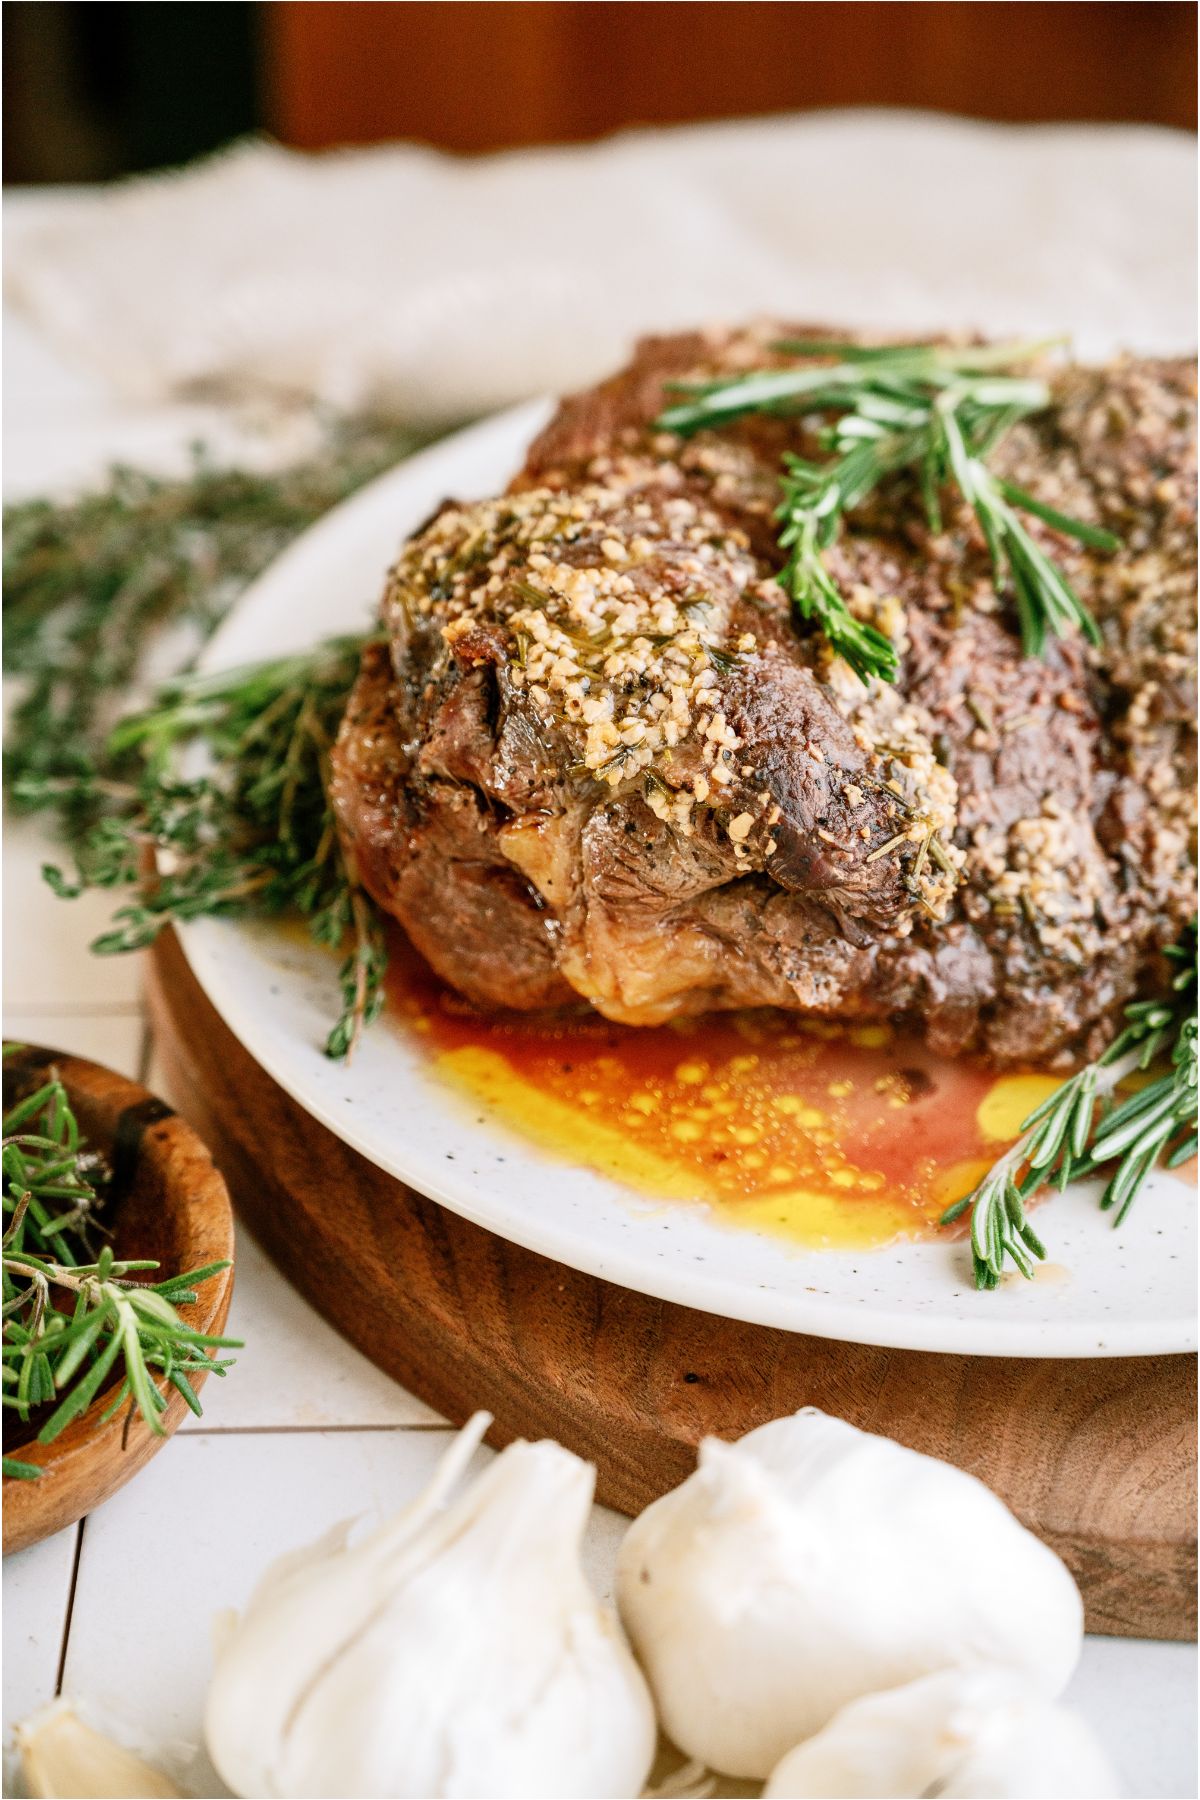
(602, 766)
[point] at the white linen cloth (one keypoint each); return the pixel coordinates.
(435, 287)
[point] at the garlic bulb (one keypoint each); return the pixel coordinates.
(457, 1651)
(811, 1563)
(64, 1759)
(967, 1734)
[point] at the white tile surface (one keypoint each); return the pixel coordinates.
(295, 1371)
(115, 1039)
(46, 965)
(37, 1587)
(1140, 1700)
(37, 1596)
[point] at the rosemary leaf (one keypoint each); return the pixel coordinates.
(933, 410)
(1082, 1128)
(61, 1359)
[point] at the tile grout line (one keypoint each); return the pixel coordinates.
(213, 1431)
(70, 1612)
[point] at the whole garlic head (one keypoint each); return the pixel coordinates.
(457, 1651)
(966, 1734)
(811, 1563)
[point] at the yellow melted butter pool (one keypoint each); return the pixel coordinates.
(830, 1138)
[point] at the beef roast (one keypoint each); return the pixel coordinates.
(597, 761)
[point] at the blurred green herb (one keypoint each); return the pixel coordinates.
(96, 594)
(98, 588)
(74, 1319)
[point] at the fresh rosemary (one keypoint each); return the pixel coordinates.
(924, 407)
(1082, 1128)
(73, 1317)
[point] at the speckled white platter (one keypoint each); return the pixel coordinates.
(1113, 1293)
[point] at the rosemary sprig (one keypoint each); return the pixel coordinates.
(810, 516)
(923, 407)
(253, 832)
(1080, 1129)
(73, 1319)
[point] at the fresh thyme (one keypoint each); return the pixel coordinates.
(107, 591)
(923, 407)
(95, 594)
(73, 1317)
(253, 832)
(1081, 1129)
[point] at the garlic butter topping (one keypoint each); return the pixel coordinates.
(621, 614)
(616, 611)
(898, 736)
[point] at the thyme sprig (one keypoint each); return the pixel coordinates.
(251, 832)
(124, 584)
(1082, 1129)
(928, 408)
(74, 1317)
(101, 592)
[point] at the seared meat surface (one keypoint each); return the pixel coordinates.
(598, 763)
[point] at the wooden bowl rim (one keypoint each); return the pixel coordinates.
(196, 1192)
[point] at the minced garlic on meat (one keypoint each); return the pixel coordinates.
(611, 610)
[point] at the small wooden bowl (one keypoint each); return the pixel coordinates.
(167, 1202)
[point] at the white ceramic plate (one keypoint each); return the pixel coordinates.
(1127, 1292)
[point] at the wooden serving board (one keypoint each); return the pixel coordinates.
(1096, 1456)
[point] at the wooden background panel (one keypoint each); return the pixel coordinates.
(477, 77)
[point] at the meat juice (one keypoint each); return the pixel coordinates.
(833, 1137)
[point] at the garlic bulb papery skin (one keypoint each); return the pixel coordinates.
(810, 1563)
(966, 1734)
(458, 1651)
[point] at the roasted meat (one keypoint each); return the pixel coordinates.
(598, 763)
